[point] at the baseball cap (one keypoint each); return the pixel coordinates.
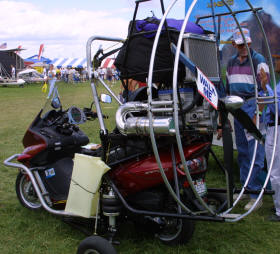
(237, 36)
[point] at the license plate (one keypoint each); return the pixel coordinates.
(200, 187)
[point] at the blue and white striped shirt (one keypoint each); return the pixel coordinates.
(240, 79)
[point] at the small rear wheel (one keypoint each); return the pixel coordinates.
(217, 201)
(26, 193)
(96, 245)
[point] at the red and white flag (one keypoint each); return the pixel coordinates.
(41, 50)
(3, 45)
(19, 47)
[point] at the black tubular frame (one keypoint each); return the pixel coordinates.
(160, 214)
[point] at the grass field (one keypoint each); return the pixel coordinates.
(25, 232)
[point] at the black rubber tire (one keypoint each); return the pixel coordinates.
(216, 200)
(183, 232)
(30, 199)
(96, 245)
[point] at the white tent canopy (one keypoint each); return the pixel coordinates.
(69, 62)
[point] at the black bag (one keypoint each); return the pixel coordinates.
(57, 177)
(133, 59)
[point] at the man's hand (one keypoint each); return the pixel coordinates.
(254, 119)
(220, 130)
(264, 79)
(219, 134)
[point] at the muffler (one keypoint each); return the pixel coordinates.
(129, 124)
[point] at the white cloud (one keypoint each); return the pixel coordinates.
(64, 32)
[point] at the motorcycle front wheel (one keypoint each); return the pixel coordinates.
(96, 245)
(26, 193)
(176, 231)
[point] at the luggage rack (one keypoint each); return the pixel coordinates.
(172, 107)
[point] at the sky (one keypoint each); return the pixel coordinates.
(64, 26)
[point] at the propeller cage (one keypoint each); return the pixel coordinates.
(163, 116)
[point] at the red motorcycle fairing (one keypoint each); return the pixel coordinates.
(135, 176)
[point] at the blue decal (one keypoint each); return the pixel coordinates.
(49, 172)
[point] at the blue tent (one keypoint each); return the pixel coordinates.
(34, 59)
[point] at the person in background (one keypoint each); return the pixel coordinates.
(84, 74)
(240, 82)
(51, 79)
(13, 72)
(113, 75)
(66, 75)
(270, 120)
(102, 73)
(62, 72)
(71, 75)
(109, 75)
(44, 72)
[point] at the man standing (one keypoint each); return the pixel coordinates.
(240, 82)
(51, 79)
(269, 141)
(13, 72)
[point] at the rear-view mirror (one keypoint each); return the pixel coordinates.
(105, 98)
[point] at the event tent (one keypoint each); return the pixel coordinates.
(69, 62)
(108, 63)
(34, 59)
(10, 57)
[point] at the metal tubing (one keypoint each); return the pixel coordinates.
(173, 215)
(150, 99)
(8, 163)
(175, 173)
(162, 103)
(175, 113)
(276, 116)
(89, 67)
(218, 190)
(42, 187)
(225, 14)
(162, 110)
(88, 49)
(110, 91)
(98, 108)
(257, 119)
(256, 93)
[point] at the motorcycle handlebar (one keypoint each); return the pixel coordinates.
(91, 115)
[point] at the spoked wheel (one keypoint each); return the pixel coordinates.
(96, 245)
(26, 193)
(176, 231)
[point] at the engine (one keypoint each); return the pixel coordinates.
(198, 114)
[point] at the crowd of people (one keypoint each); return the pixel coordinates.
(70, 75)
(109, 74)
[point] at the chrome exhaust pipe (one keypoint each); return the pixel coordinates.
(128, 124)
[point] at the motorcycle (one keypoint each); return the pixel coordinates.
(154, 162)
(54, 137)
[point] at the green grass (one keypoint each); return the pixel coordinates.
(25, 231)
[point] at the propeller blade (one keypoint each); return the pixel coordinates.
(247, 123)
(228, 155)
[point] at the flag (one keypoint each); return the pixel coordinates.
(3, 45)
(41, 50)
(19, 47)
